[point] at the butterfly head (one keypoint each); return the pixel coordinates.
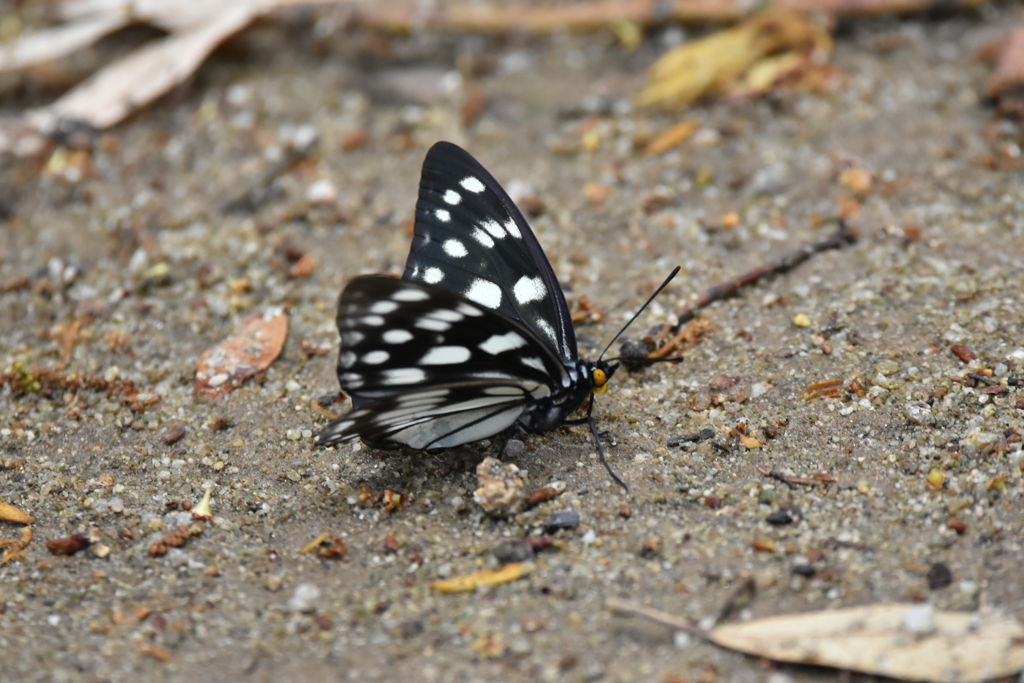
(600, 373)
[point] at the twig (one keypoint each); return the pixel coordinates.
(589, 16)
(842, 236)
(664, 618)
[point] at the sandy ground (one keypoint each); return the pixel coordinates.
(141, 253)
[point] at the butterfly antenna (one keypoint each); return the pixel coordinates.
(635, 316)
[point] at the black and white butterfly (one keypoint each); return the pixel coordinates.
(475, 337)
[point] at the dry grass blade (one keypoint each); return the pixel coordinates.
(829, 389)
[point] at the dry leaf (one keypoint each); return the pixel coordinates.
(490, 577)
(9, 513)
(905, 641)
(139, 78)
(251, 350)
(747, 59)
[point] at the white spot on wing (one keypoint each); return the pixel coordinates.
(452, 197)
(485, 293)
(493, 228)
(472, 184)
(353, 338)
(445, 355)
(372, 320)
(535, 363)
(403, 376)
(447, 315)
(503, 391)
(529, 289)
(547, 329)
(421, 397)
(383, 307)
(334, 430)
(499, 343)
(346, 359)
(397, 336)
(466, 309)
(432, 325)
(433, 275)
(455, 248)
(376, 357)
(443, 215)
(512, 228)
(410, 295)
(482, 237)
(351, 380)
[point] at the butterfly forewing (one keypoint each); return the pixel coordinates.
(471, 240)
(427, 368)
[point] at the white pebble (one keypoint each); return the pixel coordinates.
(305, 598)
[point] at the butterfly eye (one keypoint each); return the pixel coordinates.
(600, 380)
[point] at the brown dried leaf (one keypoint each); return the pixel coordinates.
(251, 350)
(903, 641)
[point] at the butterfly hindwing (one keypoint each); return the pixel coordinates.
(432, 418)
(470, 239)
(429, 369)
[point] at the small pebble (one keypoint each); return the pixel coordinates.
(305, 598)
(568, 519)
(513, 551)
(779, 518)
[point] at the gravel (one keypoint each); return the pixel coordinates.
(908, 482)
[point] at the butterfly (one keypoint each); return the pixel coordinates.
(476, 335)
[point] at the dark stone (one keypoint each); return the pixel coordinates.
(779, 518)
(939, 576)
(562, 520)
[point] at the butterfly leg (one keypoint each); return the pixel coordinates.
(589, 421)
